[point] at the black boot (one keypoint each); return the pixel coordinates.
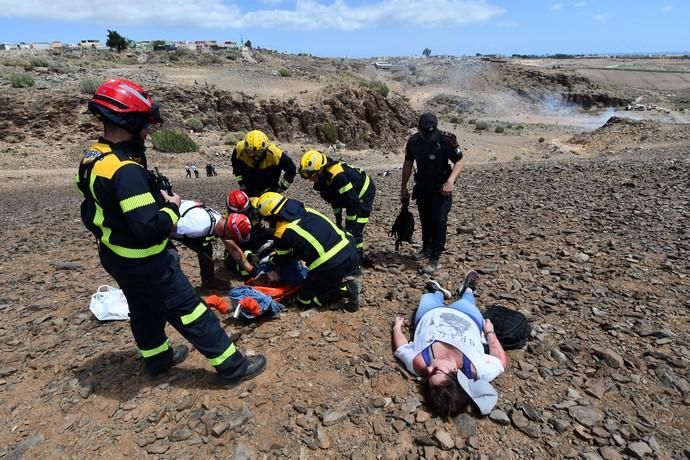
(256, 366)
(179, 354)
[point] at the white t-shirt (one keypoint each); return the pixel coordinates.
(454, 328)
(195, 221)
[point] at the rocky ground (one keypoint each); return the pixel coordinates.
(584, 230)
(594, 251)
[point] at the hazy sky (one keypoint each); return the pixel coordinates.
(360, 28)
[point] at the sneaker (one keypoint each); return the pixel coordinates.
(257, 364)
(352, 285)
(435, 286)
(179, 354)
(470, 282)
(430, 267)
(423, 254)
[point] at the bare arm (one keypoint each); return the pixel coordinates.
(397, 336)
(237, 255)
(495, 347)
(447, 187)
(406, 173)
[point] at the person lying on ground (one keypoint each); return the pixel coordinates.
(447, 351)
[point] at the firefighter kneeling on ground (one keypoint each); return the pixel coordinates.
(328, 252)
(132, 221)
(342, 186)
(259, 241)
(199, 226)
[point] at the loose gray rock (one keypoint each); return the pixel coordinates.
(499, 416)
(466, 425)
(180, 434)
(609, 453)
(335, 416)
(609, 356)
(445, 440)
(638, 449)
(519, 420)
(586, 415)
(161, 446)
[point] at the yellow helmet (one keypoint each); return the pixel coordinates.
(311, 162)
(270, 203)
(256, 142)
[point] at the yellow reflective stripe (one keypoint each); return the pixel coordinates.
(362, 220)
(345, 188)
(360, 245)
(351, 218)
(155, 351)
(335, 227)
(337, 210)
(331, 252)
(173, 217)
(282, 252)
(304, 301)
(316, 301)
(194, 315)
(307, 236)
(284, 183)
(364, 187)
(136, 201)
(217, 361)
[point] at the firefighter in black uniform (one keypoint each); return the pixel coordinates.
(342, 186)
(329, 253)
(258, 165)
(132, 222)
(432, 150)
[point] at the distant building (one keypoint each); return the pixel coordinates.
(40, 46)
(56, 45)
(146, 45)
(185, 45)
(205, 44)
(8, 46)
(228, 44)
(90, 44)
(382, 65)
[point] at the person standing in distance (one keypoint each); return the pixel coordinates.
(433, 151)
(132, 221)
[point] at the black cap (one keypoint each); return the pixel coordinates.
(427, 126)
(427, 122)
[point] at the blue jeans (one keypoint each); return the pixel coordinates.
(466, 305)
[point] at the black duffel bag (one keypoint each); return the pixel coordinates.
(511, 327)
(403, 228)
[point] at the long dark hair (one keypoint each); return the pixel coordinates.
(447, 400)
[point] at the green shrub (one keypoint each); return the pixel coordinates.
(283, 72)
(472, 121)
(541, 140)
(492, 158)
(516, 158)
(21, 80)
(194, 124)
(509, 125)
(499, 129)
(16, 62)
(481, 126)
(89, 85)
(39, 61)
(519, 127)
(233, 138)
(330, 131)
(173, 141)
(378, 87)
(455, 120)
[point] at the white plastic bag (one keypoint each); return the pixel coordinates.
(109, 303)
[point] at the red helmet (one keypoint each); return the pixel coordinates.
(238, 227)
(125, 104)
(237, 201)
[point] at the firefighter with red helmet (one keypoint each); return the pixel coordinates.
(132, 222)
(199, 226)
(260, 238)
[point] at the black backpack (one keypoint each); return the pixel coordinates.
(511, 327)
(403, 228)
